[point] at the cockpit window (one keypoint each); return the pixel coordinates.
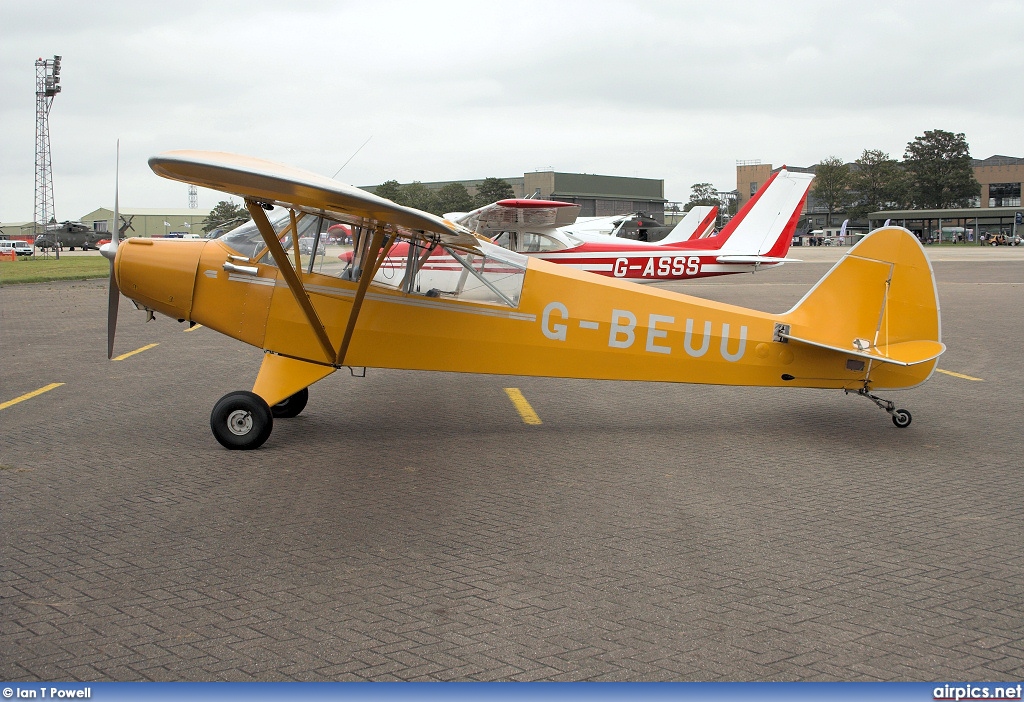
(535, 242)
(494, 276)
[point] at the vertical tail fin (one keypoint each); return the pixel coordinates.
(879, 303)
(696, 224)
(765, 225)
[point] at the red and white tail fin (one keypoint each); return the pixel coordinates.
(766, 224)
(698, 223)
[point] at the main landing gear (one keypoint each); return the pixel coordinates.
(243, 420)
(900, 417)
(291, 406)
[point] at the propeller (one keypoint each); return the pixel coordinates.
(109, 251)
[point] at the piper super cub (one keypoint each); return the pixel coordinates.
(495, 310)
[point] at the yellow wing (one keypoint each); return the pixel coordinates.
(286, 186)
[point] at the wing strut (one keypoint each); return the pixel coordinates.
(290, 277)
(295, 246)
(365, 276)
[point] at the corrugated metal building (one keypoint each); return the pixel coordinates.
(18, 230)
(600, 195)
(597, 195)
(150, 222)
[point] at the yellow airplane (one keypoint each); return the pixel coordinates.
(458, 302)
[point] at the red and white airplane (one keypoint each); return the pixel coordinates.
(758, 236)
(697, 223)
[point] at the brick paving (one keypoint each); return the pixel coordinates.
(409, 526)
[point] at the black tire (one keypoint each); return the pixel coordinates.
(241, 420)
(901, 418)
(291, 406)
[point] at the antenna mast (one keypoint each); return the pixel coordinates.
(47, 86)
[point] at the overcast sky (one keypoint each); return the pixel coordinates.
(457, 90)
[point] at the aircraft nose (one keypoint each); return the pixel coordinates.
(159, 274)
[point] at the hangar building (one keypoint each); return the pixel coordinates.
(150, 222)
(597, 195)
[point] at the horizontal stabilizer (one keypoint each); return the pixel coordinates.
(904, 353)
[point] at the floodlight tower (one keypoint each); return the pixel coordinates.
(193, 197)
(47, 86)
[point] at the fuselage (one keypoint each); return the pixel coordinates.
(551, 320)
(624, 259)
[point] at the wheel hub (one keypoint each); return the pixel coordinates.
(240, 422)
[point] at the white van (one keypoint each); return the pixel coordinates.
(17, 246)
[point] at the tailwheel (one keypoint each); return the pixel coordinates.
(901, 418)
(241, 420)
(291, 406)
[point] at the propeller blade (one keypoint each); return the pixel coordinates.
(113, 298)
(110, 252)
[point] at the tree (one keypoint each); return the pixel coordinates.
(389, 190)
(225, 215)
(453, 198)
(939, 164)
(702, 194)
(492, 190)
(879, 183)
(831, 183)
(417, 195)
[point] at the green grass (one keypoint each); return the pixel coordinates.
(39, 270)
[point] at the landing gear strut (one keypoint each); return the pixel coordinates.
(900, 417)
(241, 420)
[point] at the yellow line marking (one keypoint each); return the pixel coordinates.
(29, 395)
(132, 353)
(194, 327)
(960, 375)
(525, 411)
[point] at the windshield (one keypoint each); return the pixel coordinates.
(246, 239)
(313, 249)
